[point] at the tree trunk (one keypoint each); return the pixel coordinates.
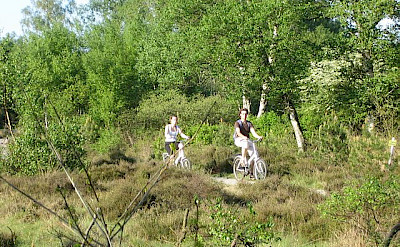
(263, 100)
(9, 124)
(296, 127)
(6, 111)
(246, 102)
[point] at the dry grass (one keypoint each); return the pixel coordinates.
(349, 237)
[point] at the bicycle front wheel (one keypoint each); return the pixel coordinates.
(239, 172)
(165, 156)
(260, 169)
(185, 164)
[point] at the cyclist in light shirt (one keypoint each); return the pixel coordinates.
(172, 131)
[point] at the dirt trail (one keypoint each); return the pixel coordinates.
(230, 185)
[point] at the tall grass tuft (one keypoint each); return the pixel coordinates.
(8, 239)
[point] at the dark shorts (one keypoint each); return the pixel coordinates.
(168, 146)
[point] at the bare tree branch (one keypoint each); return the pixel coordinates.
(391, 235)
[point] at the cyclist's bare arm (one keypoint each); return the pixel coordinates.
(253, 131)
(183, 135)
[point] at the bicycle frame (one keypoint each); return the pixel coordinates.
(254, 157)
(258, 170)
(181, 153)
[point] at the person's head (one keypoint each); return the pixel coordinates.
(243, 113)
(173, 119)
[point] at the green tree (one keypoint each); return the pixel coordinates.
(49, 92)
(44, 14)
(110, 65)
(7, 75)
(371, 55)
(360, 21)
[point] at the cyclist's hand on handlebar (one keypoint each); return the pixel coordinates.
(260, 139)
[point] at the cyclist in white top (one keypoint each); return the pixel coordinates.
(171, 134)
(243, 128)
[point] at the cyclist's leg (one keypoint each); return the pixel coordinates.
(176, 145)
(250, 152)
(244, 145)
(168, 147)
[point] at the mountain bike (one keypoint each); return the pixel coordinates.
(259, 168)
(181, 160)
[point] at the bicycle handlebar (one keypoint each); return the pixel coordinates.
(257, 140)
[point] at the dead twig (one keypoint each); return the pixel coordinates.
(184, 229)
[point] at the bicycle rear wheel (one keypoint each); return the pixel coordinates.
(239, 173)
(260, 169)
(185, 164)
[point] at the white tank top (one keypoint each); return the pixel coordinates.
(170, 135)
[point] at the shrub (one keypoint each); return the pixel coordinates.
(368, 205)
(331, 141)
(270, 124)
(154, 112)
(228, 225)
(68, 141)
(219, 110)
(109, 140)
(206, 134)
(31, 153)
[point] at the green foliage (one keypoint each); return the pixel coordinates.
(383, 93)
(219, 110)
(228, 225)
(68, 141)
(319, 88)
(270, 124)
(368, 204)
(219, 134)
(31, 153)
(154, 112)
(109, 140)
(331, 141)
(108, 64)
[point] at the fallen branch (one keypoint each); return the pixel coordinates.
(391, 235)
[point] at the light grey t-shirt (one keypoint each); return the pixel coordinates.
(171, 133)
